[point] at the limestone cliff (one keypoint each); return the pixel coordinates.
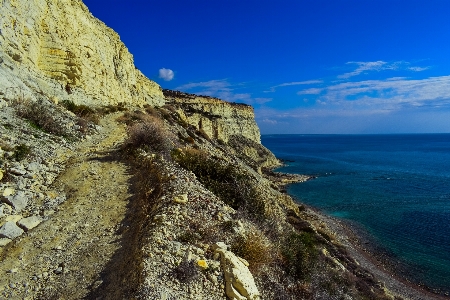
(218, 119)
(59, 51)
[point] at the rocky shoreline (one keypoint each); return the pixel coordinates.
(372, 257)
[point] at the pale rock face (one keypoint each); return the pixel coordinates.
(240, 284)
(59, 51)
(219, 119)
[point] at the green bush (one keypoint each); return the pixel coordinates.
(21, 152)
(299, 254)
(221, 178)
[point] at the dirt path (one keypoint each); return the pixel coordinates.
(67, 256)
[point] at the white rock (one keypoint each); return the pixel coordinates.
(17, 171)
(239, 281)
(8, 192)
(29, 223)
(181, 199)
(10, 230)
(4, 241)
(18, 201)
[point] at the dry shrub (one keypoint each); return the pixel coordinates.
(38, 114)
(225, 180)
(254, 248)
(186, 272)
(82, 111)
(150, 134)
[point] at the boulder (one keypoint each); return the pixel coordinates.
(10, 230)
(18, 201)
(29, 223)
(240, 284)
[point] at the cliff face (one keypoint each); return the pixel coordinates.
(58, 50)
(218, 119)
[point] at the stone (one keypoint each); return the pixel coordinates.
(17, 171)
(239, 282)
(18, 201)
(181, 199)
(34, 167)
(219, 245)
(4, 241)
(10, 230)
(13, 218)
(202, 264)
(29, 223)
(8, 192)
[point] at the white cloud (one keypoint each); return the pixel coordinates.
(306, 82)
(166, 74)
(369, 66)
(418, 69)
(390, 94)
(363, 67)
(222, 89)
(311, 91)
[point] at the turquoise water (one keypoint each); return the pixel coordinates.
(397, 187)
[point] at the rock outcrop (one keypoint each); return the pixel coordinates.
(218, 119)
(57, 50)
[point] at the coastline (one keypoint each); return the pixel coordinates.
(367, 254)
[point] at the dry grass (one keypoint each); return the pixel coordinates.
(150, 134)
(253, 247)
(39, 115)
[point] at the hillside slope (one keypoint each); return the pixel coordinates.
(111, 188)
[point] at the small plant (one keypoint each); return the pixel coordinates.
(186, 271)
(150, 135)
(21, 152)
(254, 248)
(82, 111)
(108, 109)
(39, 115)
(189, 237)
(223, 179)
(299, 254)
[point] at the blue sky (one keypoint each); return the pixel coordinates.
(337, 66)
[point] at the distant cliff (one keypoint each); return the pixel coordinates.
(59, 51)
(219, 119)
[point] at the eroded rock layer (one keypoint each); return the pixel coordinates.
(58, 50)
(218, 119)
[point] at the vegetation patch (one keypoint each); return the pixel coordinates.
(82, 111)
(39, 115)
(21, 152)
(223, 179)
(299, 254)
(254, 248)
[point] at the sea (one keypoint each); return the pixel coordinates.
(395, 187)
